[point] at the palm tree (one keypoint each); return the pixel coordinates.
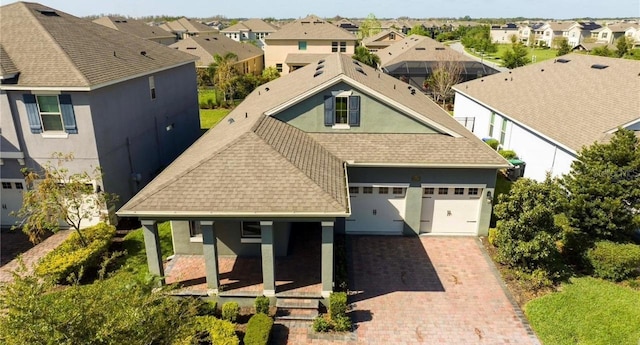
(366, 57)
(223, 74)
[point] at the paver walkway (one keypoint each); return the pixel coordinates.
(427, 290)
(31, 257)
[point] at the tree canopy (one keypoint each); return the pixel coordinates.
(370, 26)
(516, 57)
(366, 57)
(223, 74)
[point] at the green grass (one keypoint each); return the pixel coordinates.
(540, 54)
(206, 94)
(211, 117)
(587, 311)
(135, 261)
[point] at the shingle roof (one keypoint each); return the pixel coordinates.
(134, 27)
(188, 25)
(255, 25)
(252, 163)
(294, 58)
(571, 103)
(418, 48)
(7, 67)
(74, 52)
(373, 40)
(205, 47)
(561, 26)
(311, 28)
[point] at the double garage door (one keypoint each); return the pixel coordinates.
(380, 209)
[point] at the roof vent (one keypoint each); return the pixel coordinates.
(206, 39)
(321, 61)
(599, 66)
(143, 53)
(49, 13)
(360, 70)
(356, 62)
(421, 48)
(319, 67)
(318, 73)
(191, 48)
(231, 120)
(562, 60)
(439, 48)
(215, 38)
(413, 91)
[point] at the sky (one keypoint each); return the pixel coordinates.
(552, 9)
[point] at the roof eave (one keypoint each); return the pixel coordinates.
(430, 165)
(199, 214)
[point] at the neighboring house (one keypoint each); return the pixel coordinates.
(610, 33)
(250, 57)
(185, 27)
(579, 31)
(348, 25)
(337, 145)
(588, 47)
(382, 40)
(138, 28)
(305, 40)
(113, 100)
(547, 34)
(254, 30)
(633, 33)
(414, 58)
(502, 34)
(549, 111)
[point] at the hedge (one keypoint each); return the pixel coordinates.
(230, 311)
(262, 304)
(337, 304)
(614, 261)
(70, 258)
(258, 330)
(208, 329)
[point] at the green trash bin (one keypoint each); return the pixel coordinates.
(517, 170)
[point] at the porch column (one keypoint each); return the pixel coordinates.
(268, 259)
(152, 247)
(210, 253)
(327, 258)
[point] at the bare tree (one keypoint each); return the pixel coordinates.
(446, 72)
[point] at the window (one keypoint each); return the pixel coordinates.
(50, 114)
(251, 230)
(194, 228)
(343, 47)
(392, 36)
(398, 190)
(604, 34)
(6, 185)
(19, 185)
(302, 45)
(443, 191)
(458, 191)
(354, 190)
(334, 47)
(473, 191)
(152, 87)
(367, 190)
(503, 131)
(491, 124)
(279, 67)
(383, 190)
(429, 191)
(342, 109)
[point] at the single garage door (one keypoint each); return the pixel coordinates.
(11, 200)
(377, 210)
(450, 210)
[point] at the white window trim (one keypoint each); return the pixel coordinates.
(341, 93)
(50, 134)
(341, 126)
(450, 185)
(391, 185)
(248, 239)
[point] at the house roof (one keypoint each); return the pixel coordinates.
(7, 67)
(374, 40)
(561, 26)
(74, 52)
(570, 103)
(134, 27)
(205, 47)
(255, 25)
(253, 164)
(418, 48)
(188, 25)
(311, 28)
(303, 58)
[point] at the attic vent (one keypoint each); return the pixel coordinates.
(319, 67)
(356, 62)
(599, 66)
(562, 60)
(49, 13)
(439, 48)
(318, 73)
(359, 69)
(420, 48)
(321, 61)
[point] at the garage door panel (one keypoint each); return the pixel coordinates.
(376, 213)
(450, 213)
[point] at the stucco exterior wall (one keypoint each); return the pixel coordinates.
(276, 51)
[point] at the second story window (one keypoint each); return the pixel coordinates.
(302, 45)
(343, 47)
(50, 113)
(342, 110)
(152, 87)
(334, 47)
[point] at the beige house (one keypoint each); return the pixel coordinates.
(382, 40)
(137, 28)
(633, 33)
(579, 31)
(546, 34)
(610, 33)
(250, 57)
(502, 34)
(250, 30)
(305, 40)
(185, 27)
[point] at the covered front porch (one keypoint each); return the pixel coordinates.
(305, 271)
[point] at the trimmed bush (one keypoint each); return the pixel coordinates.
(342, 324)
(508, 154)
(321, 324)
(71, 257)
(209, 330)
(258, 330)
(492, 236)
(230, 311)
(262, 305)
(493, 143)
(207, 308)
(614, 261)
(337, 304)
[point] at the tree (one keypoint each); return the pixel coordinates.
(604, 197)
(418, 29)
(366, 57)
(270, 73)
(224, 74)
(370, 26)
(515, 57)
(478, 38)
(56, 195)
(447, 72)
(623, 46)
(563, 47)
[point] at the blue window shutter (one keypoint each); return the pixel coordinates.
(354, 111)
(328, 111)
(33, 114)
(68, 116)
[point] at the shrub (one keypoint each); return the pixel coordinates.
(230, 311)
(71, 257)
(207, 308)
(493, 143)
(258, 330)
(209, 330)
(614, 261)
(337, 304)
(342, 324)
(262, 305)
(492, 236)
(321, 324)
(536, 280)
(508, 154)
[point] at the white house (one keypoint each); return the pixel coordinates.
(547, 112)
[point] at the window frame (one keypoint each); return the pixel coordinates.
(354, 190)
(503, 131)
(152, 87)
(492, 123)
(347, 115)
(383, 190)
(443, 190)
(428, 191)
(58, 113)
(458, 191)
(302, 45)
(250, 238)
(195, 231)
(334, 46)
(343, 46)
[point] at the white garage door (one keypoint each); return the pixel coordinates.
(376, 210)
(11, 199)
(450, 210)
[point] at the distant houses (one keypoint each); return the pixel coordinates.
(250, 59)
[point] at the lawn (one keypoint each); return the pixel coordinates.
(539, 54)
(135, 261)
(211, 117)
(587, 311)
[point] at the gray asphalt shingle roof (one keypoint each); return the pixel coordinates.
(134, 27)
(311, 28)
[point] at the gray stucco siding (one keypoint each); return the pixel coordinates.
(375, 116)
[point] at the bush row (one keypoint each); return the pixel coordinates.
(338, 319)
(209, 330)
(615, 261)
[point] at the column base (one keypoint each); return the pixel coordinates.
(212, 292)
(326, 294)
(269, 293)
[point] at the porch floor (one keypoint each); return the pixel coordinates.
(297, 274)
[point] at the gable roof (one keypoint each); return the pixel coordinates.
(253, 164)
(560, 26)
(311, 28)
(205, 47)
(374, 40)
(74, 53)
(7, 68)
(418, 48)
(570, 103)
(188, 25)
(134, 27)
(254, 24)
